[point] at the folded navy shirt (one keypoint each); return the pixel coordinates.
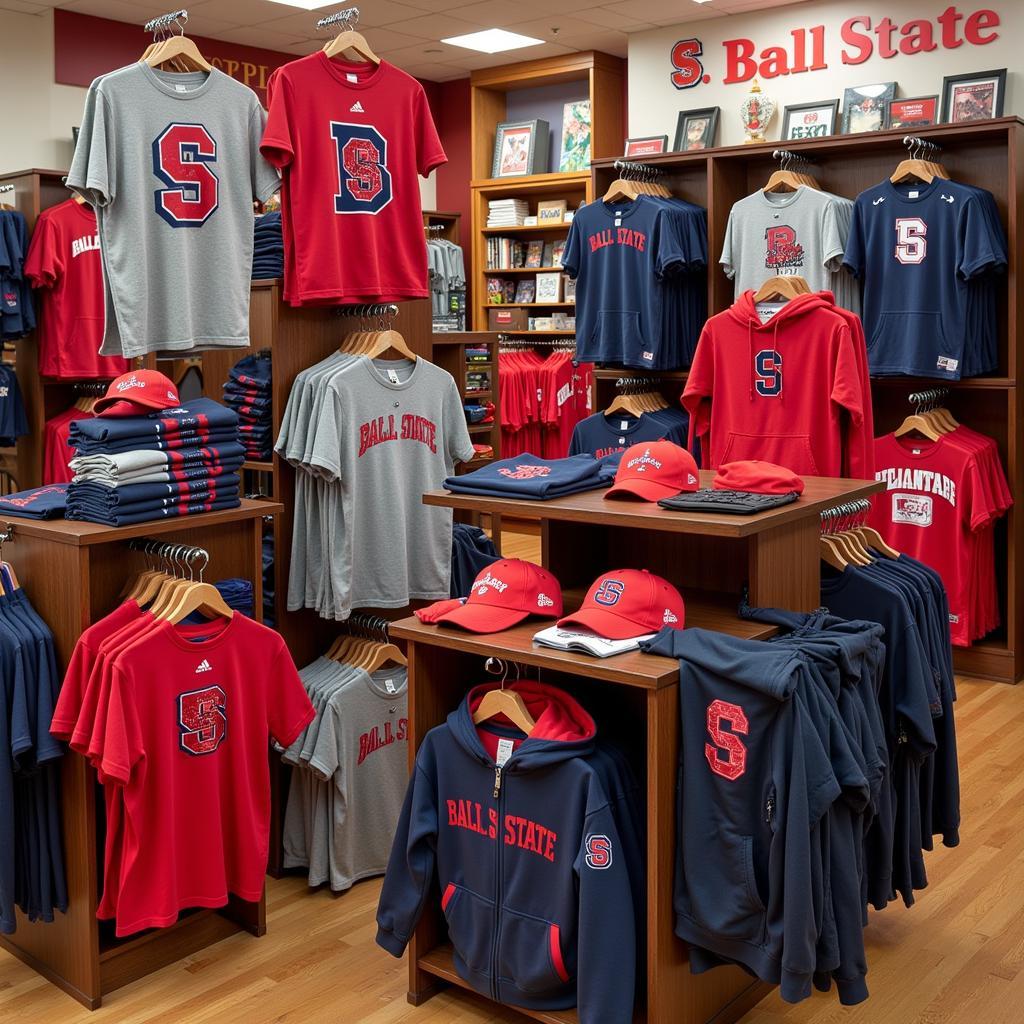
(129, 519)
(36, 503)
(201, 439)
(201, 414)
(531, 477)
(126, 494)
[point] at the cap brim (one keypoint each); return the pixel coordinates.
(126, 407)
(483, 618)
(648, 490)
(606, 625)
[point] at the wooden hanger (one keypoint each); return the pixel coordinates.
(621, 190)
(199, 597)
(627, 403)
(873, 539)
(385, 341)
(919, 423)
(500, 701)
(178, 50)
(350, 41)
(784, 288)
(382, 654)
(830, 553)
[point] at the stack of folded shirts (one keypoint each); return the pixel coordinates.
(248, 393)
(170, 462)
(268, 247)
(532, 478)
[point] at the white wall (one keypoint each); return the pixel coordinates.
(37, 114)
(654, 102)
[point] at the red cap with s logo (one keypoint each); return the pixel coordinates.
(626, 603)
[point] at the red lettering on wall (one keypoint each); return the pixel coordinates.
(860, 40)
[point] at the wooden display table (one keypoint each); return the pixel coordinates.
(634, 697)
(74, 573)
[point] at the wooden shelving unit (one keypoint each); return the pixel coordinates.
(988, 154)
(449, 352)
(634, 697)
(92, 563)
(601, 78)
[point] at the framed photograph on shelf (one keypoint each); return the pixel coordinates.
(696, 129)
(917, 112)
(864, 107)
(549, 288)
(649, 145)
(810, 120)
(975, 97)
(551, 211)
(521, 148)
(575, 137)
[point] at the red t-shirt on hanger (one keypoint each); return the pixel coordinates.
(350, 140)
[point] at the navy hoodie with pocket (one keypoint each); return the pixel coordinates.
(756, 784)
(533, 879)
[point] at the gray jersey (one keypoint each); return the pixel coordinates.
(362, 752)
(388, 431)
(171, 164)
(791, 234)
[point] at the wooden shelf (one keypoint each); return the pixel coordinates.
(528, 305)
(552, 181)
(480, 428)
(524, 230)
(966, 384)
(614, 373)
(647, 671)
(440, 963)
(79, 534)
(567, 333)
(592, 506)
(259, 467)
(524, 270)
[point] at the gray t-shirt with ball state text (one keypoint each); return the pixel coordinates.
(171, 164)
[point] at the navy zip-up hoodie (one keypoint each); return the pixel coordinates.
(532, 875)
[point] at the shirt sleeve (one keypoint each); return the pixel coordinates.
(429, 152)
(846, 389)
(93, 173)
(122, 740)
(853, 255)
(831, 238)
(571, 255)
(324, 447)
(324, 759)
(457, 441)
(289, 710)
(43, 265)
(276, 145)
(728, 258)
(265, 178)
(672, 254)
(978, 250)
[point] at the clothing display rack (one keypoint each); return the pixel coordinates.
(772, 556)
(986, 154)
(93, 563)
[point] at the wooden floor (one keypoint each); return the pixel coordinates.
(956, 957)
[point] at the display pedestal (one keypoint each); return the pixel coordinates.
(74, 573)
(633, 697)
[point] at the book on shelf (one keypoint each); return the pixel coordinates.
(534, 254)
(557, 252)
(505, 254)
(495, 291)
(549, 254)
(504, 213)
(569, 288)
(526, 291)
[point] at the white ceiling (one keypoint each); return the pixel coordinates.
(408, 32)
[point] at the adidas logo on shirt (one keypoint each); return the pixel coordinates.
(204, 666)
(356, 108)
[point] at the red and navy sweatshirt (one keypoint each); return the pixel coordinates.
(521, 835)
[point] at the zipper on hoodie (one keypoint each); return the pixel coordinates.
(769, 809)
(499, 895)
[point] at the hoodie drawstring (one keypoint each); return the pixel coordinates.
(750, 357)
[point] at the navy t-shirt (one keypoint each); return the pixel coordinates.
(617, 253)
(600, 434)
(916, 247)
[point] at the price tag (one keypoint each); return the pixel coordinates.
(505, 748)
(389, 685)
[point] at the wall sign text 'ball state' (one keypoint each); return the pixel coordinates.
(861, 38)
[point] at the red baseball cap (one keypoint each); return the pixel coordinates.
(653, 470)
(757, 477)
(504, 594)
(136, 393)
(626, 603)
